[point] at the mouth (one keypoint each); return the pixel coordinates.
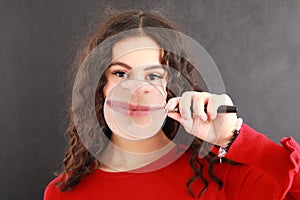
(133, 110)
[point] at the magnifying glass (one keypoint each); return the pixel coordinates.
(135, 109)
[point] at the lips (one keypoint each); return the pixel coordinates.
(132, 109)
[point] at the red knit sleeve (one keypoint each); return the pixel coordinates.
(281, 163)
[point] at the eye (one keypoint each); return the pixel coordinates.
(120, 74)
(153, 77)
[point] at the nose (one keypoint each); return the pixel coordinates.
(137, 87)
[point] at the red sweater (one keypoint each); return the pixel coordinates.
(269, 171)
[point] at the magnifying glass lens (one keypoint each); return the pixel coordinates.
(135, 109)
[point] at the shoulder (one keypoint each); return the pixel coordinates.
(52, 192)
(86, 184)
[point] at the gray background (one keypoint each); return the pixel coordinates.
(255, 44)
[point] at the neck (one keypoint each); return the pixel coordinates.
(125, 155)
(154, 143)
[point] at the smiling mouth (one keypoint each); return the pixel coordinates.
(132, 109)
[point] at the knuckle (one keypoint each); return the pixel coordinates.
(223, 99)
(198, 97)
(227, 98)
(187, 93)
(184, 95)
(174, 99)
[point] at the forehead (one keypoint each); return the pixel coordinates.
(136, 51)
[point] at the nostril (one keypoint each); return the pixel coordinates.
(140, 91)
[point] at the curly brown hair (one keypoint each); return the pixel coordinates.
(78, 161)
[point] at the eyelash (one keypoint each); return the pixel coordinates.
(155, 75)
(118, 74)
(151, 77)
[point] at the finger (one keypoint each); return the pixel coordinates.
(172, 103)
(196, 125)
(200, 99)
(209, 106)
(220, 100)
(171, 106)
(216, 102)
(176, 116)
(185, 105)
(187, 124)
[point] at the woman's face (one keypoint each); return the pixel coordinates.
(135, 58)
(136, 85)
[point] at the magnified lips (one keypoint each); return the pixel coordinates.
(131, 109)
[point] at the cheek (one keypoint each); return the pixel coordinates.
(106, 89)
(108, 85)
(164, 87)
(162, 90)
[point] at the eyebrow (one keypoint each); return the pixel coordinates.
(119, 63)
(129, 68)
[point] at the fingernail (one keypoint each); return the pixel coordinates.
(203, 117)
(169, 106)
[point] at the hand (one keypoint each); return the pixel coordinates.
(213, 127)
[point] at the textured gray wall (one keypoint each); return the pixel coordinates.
(255, 44)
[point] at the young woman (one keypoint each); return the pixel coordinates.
(129, 162)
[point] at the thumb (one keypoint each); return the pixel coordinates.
(175, 115)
